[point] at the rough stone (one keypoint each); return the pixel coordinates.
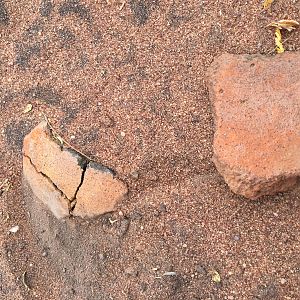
(99, 192)
(61, 165)
(256, 104)
(44, 189)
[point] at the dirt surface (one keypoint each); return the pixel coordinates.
(128, 88)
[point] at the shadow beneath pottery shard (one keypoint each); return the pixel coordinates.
(74, 248)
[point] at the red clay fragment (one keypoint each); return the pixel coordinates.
(61, 176)
(256, 103)
(45, 191)
(99, 193)
(59, 165)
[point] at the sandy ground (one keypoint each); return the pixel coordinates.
(128, 88)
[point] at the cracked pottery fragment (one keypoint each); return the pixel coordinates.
(66, 181)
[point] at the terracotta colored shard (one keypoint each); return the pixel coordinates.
(66, 181)
(99, 193)
(44, 189)
(48, 158)
(256, 102)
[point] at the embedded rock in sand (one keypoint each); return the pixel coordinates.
(66, 181)
(256, 103)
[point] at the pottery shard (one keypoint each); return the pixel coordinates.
(45, 191)
(66, 181)
(99, 192)
(62, 166)
(256, 103)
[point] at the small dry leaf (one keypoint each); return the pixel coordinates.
(267, 3)
(278, 41)
(285, 24)
(28, 108)
(215, 276)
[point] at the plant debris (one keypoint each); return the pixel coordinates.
(111, 221)
(122, 3)
(267, 3)
(24, 280)
(4, 186)
(278, 41)
(288, 25)
(61, 141)
(284, 24)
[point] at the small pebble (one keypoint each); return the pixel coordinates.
(236, 237)
(123, 133)
(170, 274)
(72, 137)
(14, 229)
(282, 280)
